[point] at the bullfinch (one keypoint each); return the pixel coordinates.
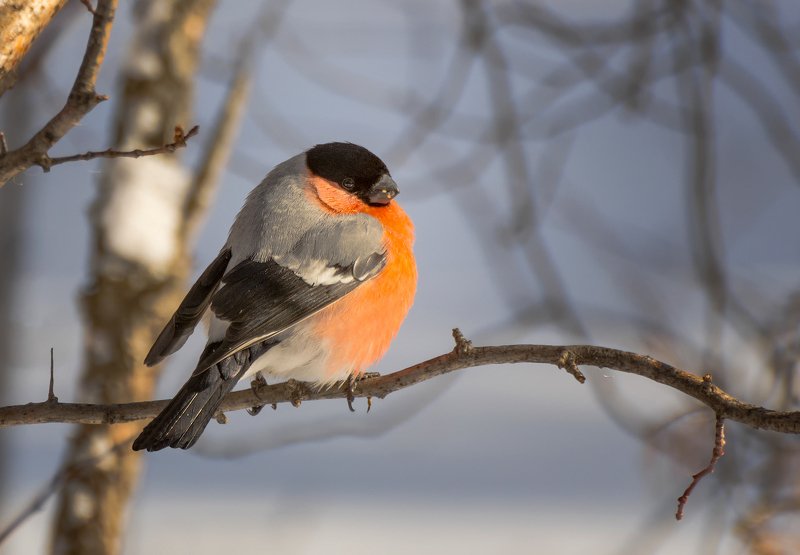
(313, 283)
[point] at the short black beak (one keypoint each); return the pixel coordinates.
(383, 191)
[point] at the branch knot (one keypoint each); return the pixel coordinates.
(568, 362)
(463, 345)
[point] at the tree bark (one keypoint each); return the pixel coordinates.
(20, 24)
(138, 268)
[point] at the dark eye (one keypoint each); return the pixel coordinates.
(348, 183)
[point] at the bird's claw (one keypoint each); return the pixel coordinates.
(365, 376)
(257, 383)
(252, 411)
(350, 388)
(297, 392)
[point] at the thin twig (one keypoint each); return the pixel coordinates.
(88, 4)
(178, 141)
(690, 384)
(81, 100)
(35, 505)
(61, 477)
(716, 455)
(51, 396)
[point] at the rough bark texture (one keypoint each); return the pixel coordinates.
(21, 21)
(139, 265)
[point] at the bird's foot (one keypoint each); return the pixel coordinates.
(297, 392)
(365, 376)
(350, 388)
(257, 383)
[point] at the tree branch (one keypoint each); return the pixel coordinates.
(178, 141)
(716, 455)
(463, 356)
(82, 99)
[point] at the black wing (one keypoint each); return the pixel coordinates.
(191, 309)
(262, 299)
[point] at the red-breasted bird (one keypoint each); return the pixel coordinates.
(313, 283)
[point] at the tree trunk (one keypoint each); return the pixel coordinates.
(12, 209)
(139, 264)
(20, 24)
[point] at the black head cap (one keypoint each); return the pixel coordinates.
(352, 167)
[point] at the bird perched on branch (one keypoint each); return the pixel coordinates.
(313, 283)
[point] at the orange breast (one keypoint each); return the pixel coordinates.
(360, 327)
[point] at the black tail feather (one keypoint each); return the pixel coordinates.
(187, 415)
(183, 420)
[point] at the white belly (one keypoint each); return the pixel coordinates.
(298, 355)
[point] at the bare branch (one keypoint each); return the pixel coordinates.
(716, 455)
(700, 388)
(178, 141)
(35, 505)
(81, 100)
